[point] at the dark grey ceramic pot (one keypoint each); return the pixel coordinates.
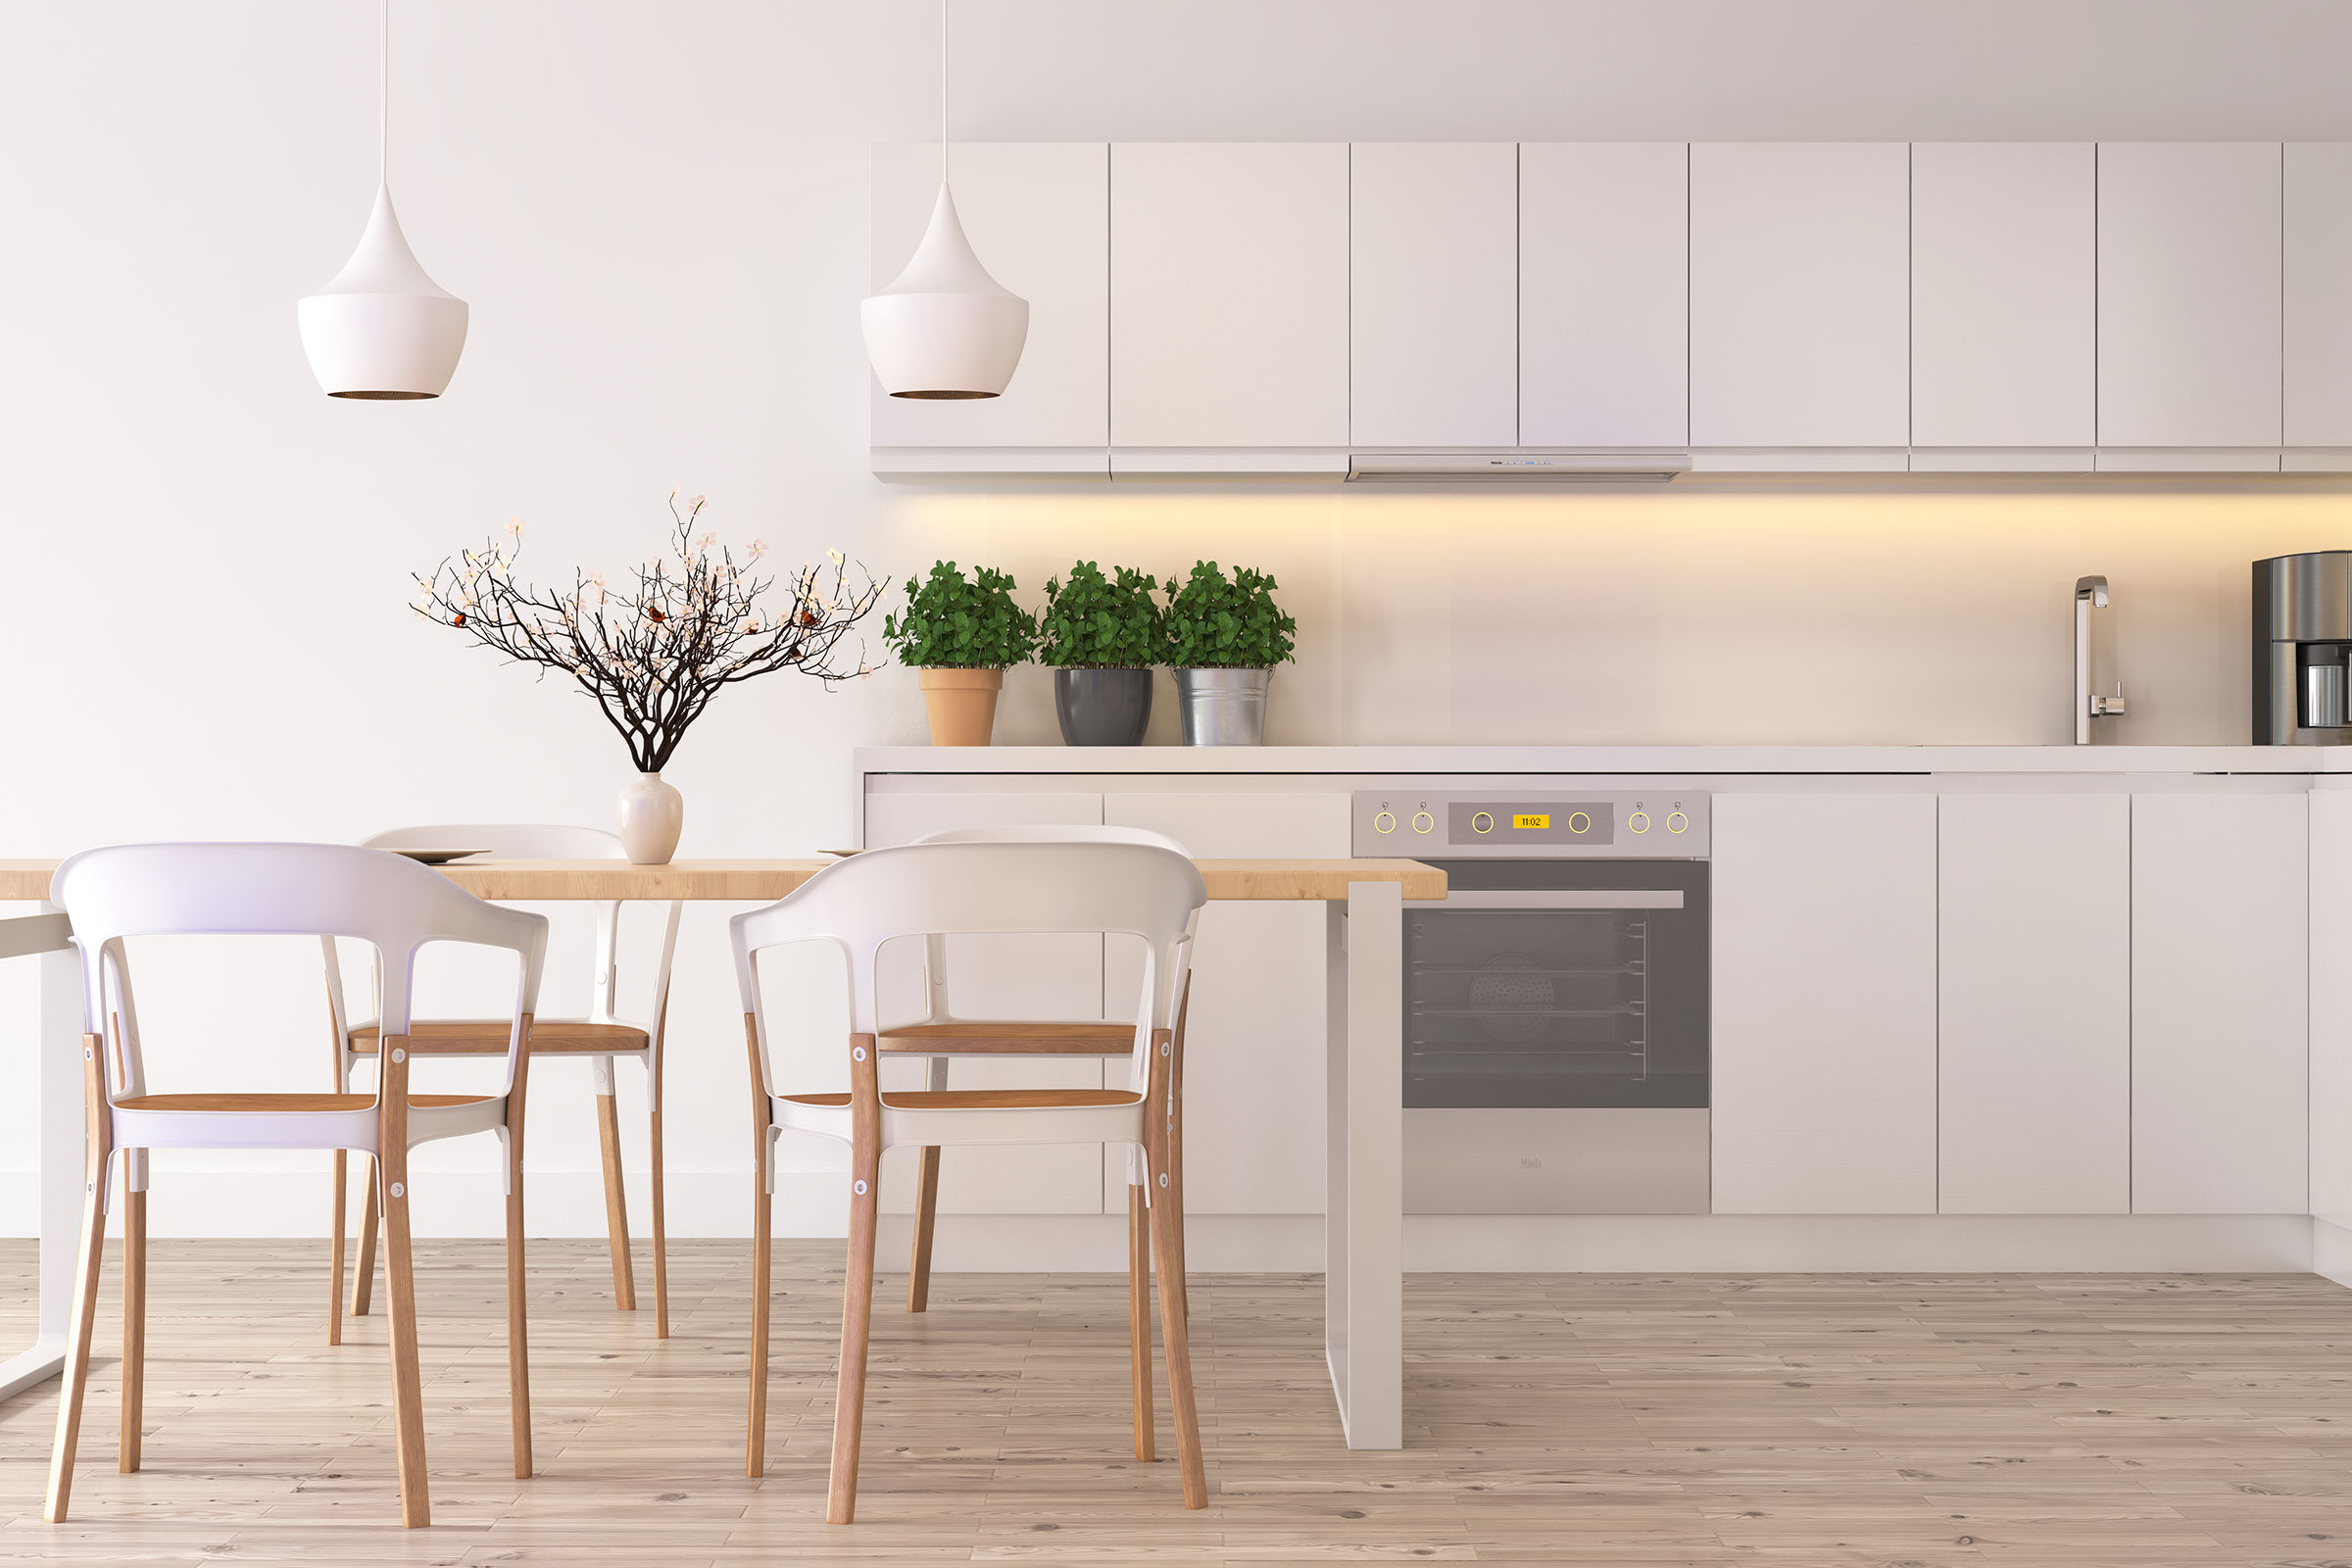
(1102, 706)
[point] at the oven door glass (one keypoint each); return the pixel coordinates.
(1559, 984)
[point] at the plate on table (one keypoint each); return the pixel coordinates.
(438, 856)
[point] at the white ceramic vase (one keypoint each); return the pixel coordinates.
(651, 815)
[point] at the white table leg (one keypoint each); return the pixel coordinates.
(62, 1134)
(1363, 1281)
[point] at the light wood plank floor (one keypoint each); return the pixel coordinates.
(2076, 1420)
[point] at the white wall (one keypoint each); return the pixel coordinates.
(658, 212)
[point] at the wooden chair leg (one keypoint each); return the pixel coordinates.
(926, 1219)
(926, 1207)
(335, 1253)
(1167, 1229)
(660, 1231)
(616, 1203)
(77, 1373)
(754, 1450)
(1139, 1320)
(362, 1279)
(518, 1338)
(400, 1285)
(134, 1320)
(858, 1287)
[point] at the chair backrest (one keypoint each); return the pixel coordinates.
(509, 841)
(1018, 887)
(1054, 833)
(541, 841)
(325, 890)
(935, 946)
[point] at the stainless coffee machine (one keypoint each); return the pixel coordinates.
(2302, 643)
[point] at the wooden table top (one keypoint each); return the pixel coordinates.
(758, 881)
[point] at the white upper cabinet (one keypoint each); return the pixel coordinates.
(1038, 215)
(1433, 281)
(1229, 301)
(2004, 300)
(1801, 296)
(1604, 297)
(2319, 295)
(2190, 310)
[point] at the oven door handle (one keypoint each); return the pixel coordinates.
(1566, 899)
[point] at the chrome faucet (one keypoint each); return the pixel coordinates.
(2090, 593)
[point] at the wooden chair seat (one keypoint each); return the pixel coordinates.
(982, 1099)
(1012, 1039)
(282, 1103)
(487, 1036)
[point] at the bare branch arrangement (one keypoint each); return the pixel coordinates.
(655, 656)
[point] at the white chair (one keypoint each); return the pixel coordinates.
(943, 1037)
(599, 1036)
(1033, 888)
(329, 889)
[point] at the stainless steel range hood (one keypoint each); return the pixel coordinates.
(1516, 467)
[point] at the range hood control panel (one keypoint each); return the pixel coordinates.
(1539, 824)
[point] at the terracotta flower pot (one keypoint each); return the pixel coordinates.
(962, 704)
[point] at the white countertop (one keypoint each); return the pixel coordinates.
(1520, 760)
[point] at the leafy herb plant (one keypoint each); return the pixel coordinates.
(1097, 622)
(1216, 623)
(954, 622)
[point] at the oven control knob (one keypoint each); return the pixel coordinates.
(1639, 823)
(1578, 822)
(1677, 822)
(1423, 822)
(1385, 822)
(1483, 822)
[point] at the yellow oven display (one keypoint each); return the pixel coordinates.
(1532, 820)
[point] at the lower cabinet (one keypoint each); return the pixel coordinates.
(2034, 1003)
(1825, 1003)
(994, 977)
(2219, 1003)
(1255, 1071)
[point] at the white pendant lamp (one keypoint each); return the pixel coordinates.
(944, 328)
(382, 328)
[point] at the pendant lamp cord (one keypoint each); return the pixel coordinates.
(383, 91)
(943, 92)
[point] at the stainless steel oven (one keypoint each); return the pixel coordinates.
(1555, 1005)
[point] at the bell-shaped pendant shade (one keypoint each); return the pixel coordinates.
(944, 328)
(382, 328)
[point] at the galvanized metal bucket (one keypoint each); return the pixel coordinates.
(1223, 706)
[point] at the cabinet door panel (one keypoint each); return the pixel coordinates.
(1253, 1076)
(2035, 1108)
(1433, 279)
(1825, 1003)
(1800, 294)
(1229, 294)
(1604, 296)
(2189, 304)
(995, 977)
(2319, 294)
(2004, 305)
(1038, 215)
(2220, 1022)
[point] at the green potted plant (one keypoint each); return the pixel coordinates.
(1101, 635)
(1225, 636)
(961, 633)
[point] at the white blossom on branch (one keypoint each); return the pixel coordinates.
(654, 657)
